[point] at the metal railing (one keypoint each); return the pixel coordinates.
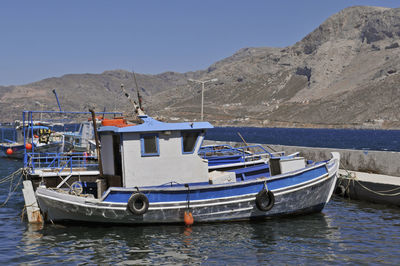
(227, 150)
(34, 160)
(8, 134)
(224, 154)
(60, 161)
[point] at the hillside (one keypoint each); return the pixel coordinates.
(343, 74)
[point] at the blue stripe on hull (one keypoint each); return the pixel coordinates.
(180, 193)
(305, 199)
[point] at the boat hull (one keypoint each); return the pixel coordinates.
(18, 150)
(234, 203)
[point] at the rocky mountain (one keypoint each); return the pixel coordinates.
(343, 74)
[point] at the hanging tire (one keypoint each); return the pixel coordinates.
(138, 203)
(265, 200)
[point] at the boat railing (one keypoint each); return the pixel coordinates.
(58, 122)
(216, 152)
(61, 161)
(8, 135)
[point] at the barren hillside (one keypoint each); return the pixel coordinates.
(344, 73)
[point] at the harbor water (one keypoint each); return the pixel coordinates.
(358, 139)
(346, 232)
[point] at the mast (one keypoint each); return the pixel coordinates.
(96, 137)
(58, 102)
(137, 90)
(138, 110)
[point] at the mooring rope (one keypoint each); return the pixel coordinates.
(346, 189)
(13, 186)
(10, 177)
(24, 210)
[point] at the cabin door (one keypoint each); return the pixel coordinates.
(117, 156)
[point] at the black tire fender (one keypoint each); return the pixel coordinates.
(265, 200)
(138, 203)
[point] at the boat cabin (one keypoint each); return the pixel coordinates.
(153, 153)
(82, 138)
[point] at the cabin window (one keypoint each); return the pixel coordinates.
(189, 140)
(149, 145)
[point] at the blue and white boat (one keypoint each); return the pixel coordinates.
(225, 157)
(83, 139)
(152, 173)
(38, 139)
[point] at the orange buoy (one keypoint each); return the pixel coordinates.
(28, 146)
(9, 151)
(188, 218)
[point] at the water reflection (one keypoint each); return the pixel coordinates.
(99, 244)
(294, 239)
(346, 232)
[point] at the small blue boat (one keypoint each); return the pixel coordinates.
(41, 140)
(225, 157)
(152, 173)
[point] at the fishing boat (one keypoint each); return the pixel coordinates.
(225, 157)
(151, 172)
(37, 139)
(82, 139)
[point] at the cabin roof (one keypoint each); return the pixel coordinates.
(152, 125)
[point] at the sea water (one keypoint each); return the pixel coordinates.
(360, 139)
(345, 232)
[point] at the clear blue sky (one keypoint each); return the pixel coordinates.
(41, 39)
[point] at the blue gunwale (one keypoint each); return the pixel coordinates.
(205, 191)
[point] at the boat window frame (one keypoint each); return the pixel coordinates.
(142, 145)
(199, 132)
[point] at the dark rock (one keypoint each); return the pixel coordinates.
(375, 48)
(392, 46)
(370, 34)
(211, 69)
(304, 71)
(388, 34)
(309, 48)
